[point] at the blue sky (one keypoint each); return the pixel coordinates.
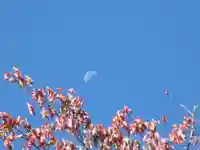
(138, 48)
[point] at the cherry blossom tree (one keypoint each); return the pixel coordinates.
(72, 118)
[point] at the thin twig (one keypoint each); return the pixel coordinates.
(193, 127)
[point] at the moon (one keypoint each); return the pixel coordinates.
(88, 75)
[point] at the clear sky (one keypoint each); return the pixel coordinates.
(138, 48)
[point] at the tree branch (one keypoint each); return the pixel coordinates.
(25, 137)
